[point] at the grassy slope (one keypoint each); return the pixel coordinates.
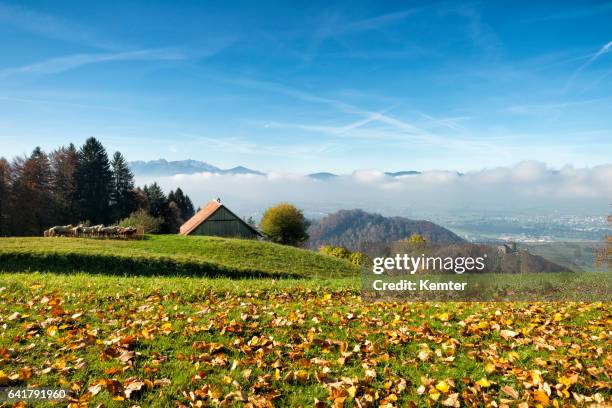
(71, 330)
(168, 255)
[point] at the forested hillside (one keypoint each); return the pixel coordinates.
(352, 228)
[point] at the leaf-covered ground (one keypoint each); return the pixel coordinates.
(163, 342)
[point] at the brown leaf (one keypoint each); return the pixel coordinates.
(510, 391)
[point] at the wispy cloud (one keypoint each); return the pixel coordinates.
(539, 108)
(59, 103)
(332, 26)
(481, 34)
(237, 145)
(372, 23)
(606, 48)
(53, 27)
(67, 63)
(393, 129)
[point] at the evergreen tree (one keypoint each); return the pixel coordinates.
(123, 197)
(157, 200)
(183, 202)
(188, 210)
(93, 182)
(64, 162)
(31, 196)
(5, 192)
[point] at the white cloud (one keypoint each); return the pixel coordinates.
(527, 186)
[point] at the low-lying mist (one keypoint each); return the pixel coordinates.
(526, 188)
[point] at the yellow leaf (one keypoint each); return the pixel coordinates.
(301, 376)
(568, 381)
(52, 331)
(513, 355)
(442, 386)
(443, 317)
(434, 395)
(483, 382)
(146, 334)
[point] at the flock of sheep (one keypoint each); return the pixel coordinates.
(96, 231)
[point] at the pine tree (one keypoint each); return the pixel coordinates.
(188, 210)
(31, 196)
(157, 200)
(93, 182)
(183, 202)
(5, 192)
(64, 162)
(123, 196)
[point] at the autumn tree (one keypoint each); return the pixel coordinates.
(64, 162)
(122, 196)
(31, 194)
(93, 182)
(285, 224)
(172, 218)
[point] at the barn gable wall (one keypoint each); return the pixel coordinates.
(224, 224)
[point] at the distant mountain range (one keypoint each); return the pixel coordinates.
(162, 167)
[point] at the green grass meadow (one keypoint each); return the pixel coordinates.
(169, 255)
(123, 328)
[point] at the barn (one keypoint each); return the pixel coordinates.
(215, 219)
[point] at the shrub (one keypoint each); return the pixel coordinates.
(142, 218)
(356, 258)
(338, 252)
(285, 224)
(417, 240)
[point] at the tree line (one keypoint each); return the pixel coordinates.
(84, 185)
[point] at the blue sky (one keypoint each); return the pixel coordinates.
(312, 87)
